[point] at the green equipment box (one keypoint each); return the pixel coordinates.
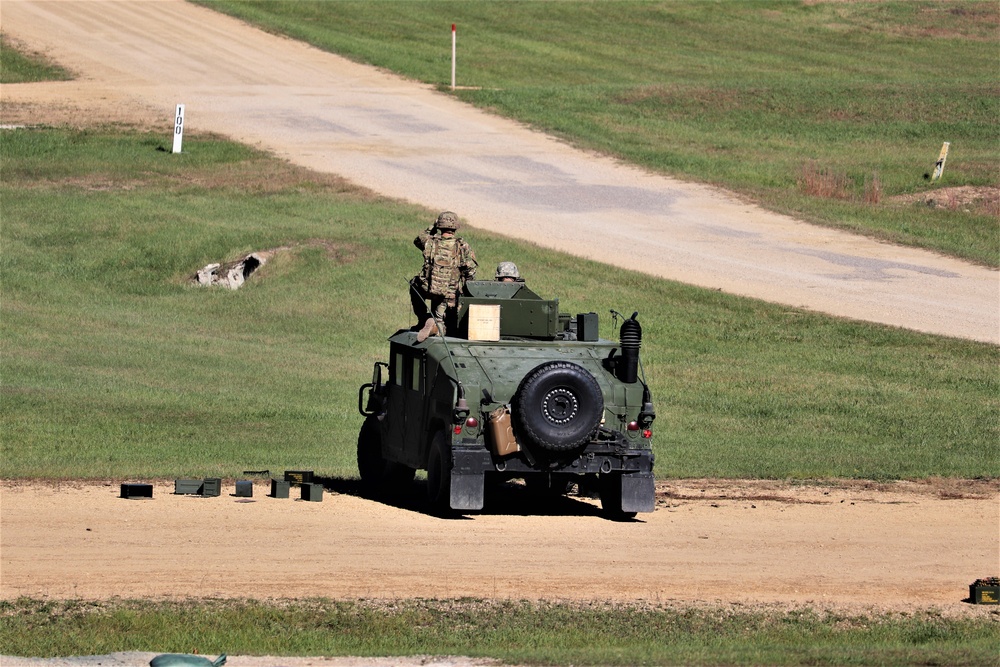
(188, 487)
(279, 488)
(299, 477)
(312, 492)
(985, 591)
(132, 491)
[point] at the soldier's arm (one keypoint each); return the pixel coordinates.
(470, 264)
(422, 237)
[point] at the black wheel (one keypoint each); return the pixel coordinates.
(610, 488)
(378, 475)
(439, 472)
(398, 477)
(371, 464)
(558, 406)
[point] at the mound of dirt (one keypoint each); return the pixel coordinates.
(968, 198)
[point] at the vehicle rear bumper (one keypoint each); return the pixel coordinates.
(591, 461)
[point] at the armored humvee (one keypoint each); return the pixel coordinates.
(517, 390)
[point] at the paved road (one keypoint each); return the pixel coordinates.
(407, 141)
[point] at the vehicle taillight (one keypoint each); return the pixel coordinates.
(646, 433)
(633, 426)
(472, 422)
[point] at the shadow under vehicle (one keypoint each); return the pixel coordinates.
(519, 391)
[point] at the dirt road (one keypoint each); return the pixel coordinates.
(852, 545)
(407, 141)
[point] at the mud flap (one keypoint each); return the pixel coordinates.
(638, 492)
(467, 491)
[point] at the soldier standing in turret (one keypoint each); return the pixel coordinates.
(448, 263)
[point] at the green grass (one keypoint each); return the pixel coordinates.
(511, 631)
(113, 365)
(745, 95)
(19, 64)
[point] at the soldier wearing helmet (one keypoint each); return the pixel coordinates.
(448, 263)
(507, 273)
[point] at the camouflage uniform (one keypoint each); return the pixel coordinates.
(448, 263)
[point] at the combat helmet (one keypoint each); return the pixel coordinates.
(507, 270)
(447, 221)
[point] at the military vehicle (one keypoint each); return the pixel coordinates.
(516, 390)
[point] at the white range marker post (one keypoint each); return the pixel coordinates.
(939, 165)
(453, 56)
(178, 128)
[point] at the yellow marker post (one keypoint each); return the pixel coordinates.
(939, 165)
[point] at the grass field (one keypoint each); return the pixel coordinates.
(519, 633)
(114, 365)
(19, 64)
(831, 111)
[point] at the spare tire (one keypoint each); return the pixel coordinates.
(558, 406)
